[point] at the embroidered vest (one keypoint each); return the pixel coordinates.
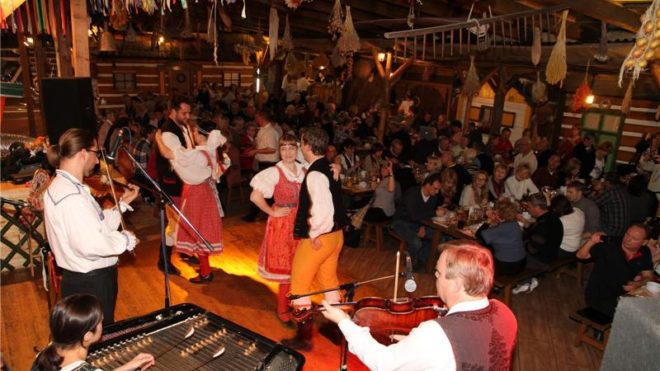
(301, 227)
(167, 178)
(482, 339)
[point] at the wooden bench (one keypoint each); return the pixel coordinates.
(402, 243)
(373, 232)
(588, 318)
(564, 265)
(507, 283)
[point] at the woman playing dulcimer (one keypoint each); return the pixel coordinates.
(476, 333)
(281, 182)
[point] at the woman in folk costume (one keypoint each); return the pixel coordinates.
(199, 169)
(281, 182)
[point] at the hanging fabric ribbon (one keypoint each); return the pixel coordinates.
(45, 17)
(29, 18)
(63, 15)
(273, 29)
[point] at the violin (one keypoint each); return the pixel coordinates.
(101, 189)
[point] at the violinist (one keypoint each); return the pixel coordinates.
(476, 333)
(83, 237)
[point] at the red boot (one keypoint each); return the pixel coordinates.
(283, 309)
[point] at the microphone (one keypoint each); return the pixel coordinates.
(410, 285)
(115, 145)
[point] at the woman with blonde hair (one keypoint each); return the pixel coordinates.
(476, 194)
(503, 235)
(448, 197)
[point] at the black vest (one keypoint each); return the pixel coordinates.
(482, 339)
(167, 178)
(301, 227)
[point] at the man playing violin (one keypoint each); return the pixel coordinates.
(83, 237)
(476, 333)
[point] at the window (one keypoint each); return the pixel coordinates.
(231, 78)
(124, 81)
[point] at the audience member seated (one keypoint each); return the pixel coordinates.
(586, 153)
(601, 160)
(641, 202)
(418, 204)
(543, 151)
(331, 154)
(571, 172)
(373, 162)
(519, 184)
(397, 154)
(425, 145)
(518, 145)
(386, 194)
(469, 161)
(525, 156)
(348, 160)
(614, 207)
(572, 222)
(444, 145)
(548, 176)
(502, 234)
(566, 146)
(621, 264)
(476, 194)
(496, 182)
(575, 194)
(503, 146)
(448, 197)
(464, 177)
(543, 237)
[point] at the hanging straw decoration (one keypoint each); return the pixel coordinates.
(627, 98)
(118, 15)
(213, 36)
(336, 24)
(336, 58)
(287, 41)
(539, 90)
(273, 29)
(536, 47)
(555, 71)
(647, 45)
(601, 55)
(291, 62)
(293, 4)
(471, 86)
(349, 41)
(582, 92)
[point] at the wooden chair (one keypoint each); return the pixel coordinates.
(590, 319)
(507, 283)
(402, 243)
(373, 232)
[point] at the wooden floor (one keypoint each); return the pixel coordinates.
(545, 338)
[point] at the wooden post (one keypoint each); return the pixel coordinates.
(80, 37)
(389, 80)
(27, 84)
(498, 103)
(62, 51)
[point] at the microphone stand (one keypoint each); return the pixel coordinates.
(165, 199)
(348, 288)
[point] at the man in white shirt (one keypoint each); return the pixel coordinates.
(83, 237)
(319, 226)
(476, 333)
(266, 144)
(526, 156)
(520, 184)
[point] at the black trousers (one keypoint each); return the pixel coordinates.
(101, 283)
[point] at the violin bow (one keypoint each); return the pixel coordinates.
(396, 274)
(112, 188)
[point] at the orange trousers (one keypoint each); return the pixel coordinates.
(316, 263)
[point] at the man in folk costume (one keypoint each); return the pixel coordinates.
(319, 222)
(175, 133)
(475, 334)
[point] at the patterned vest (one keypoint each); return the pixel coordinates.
(301, 227)
(167, 178)
(482, 339)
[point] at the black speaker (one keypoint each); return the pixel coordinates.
(67, 103)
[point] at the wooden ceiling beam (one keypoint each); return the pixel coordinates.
(607, 11)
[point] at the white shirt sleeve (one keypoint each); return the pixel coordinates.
(426, 347)
(467, 197)
(322, 212)
(265, 181)
(191, 165)
(509, 186)
(531, 187)
(94, 240)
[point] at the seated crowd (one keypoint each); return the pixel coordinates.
(538, 204)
